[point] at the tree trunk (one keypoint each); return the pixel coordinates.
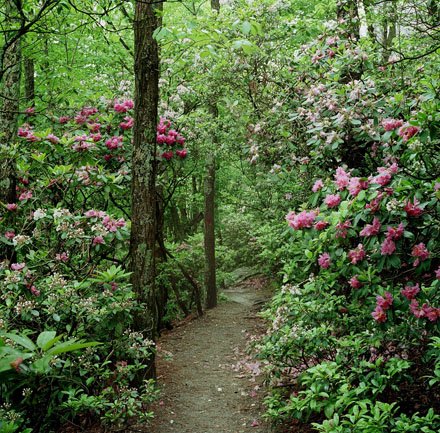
(29, 81)
(347, 10)
(215, 5)
(210, 274)
(9, 107)
(143, 189)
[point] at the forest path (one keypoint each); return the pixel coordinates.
(208, 384)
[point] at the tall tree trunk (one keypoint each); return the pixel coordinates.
(143, 189)
(347, 10)
(29, 81)
(210, 271)
(9, 107)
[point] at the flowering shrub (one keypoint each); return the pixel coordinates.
(353, 328)
(64, 249)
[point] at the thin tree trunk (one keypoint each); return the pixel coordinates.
(143, 190)
(9, 107)
(29, 81)
(215, 5)
(210, 271)
(348, 11)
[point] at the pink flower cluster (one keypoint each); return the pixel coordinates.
(371, 229)
(318, 185)
(110, 224)
(413, 209)
(355, 283)
(342, 229)
(127, 124)
(357, 255)
(332, 200)
(383, 303)
(324, 260)
(425, 311)
(124, 106)
(302, 220)
(420, 253)
(410, 292)
(408, 131)
(114, 142)
(170, 137)
(388, 246)
(391, 124)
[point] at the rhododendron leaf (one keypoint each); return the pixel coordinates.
(70, 346)
(22, 340)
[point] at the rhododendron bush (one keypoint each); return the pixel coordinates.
(354, 330)
(66, 242)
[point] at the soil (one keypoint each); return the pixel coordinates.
(209, 384)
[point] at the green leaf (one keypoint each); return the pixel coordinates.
(44, 338)
(22, 340)
(246, 27)
(70, 346)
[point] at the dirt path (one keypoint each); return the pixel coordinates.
(207, 381)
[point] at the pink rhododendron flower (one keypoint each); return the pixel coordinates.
(88, 111)
(302, 220)
(18, 266)
(53, 139)
(96, 137)
(98, 240)
(63, 257)
(128, 124)
(182, 153)
(123, 107)
(356, 185)
(374, 204)
(410, 292)
(30, 111)
(420, 252)
(414, 308)
(413, 209)
(80, 119)
(112, 225)
(407, 132)
(11, 207)
(437, 186)
(319, 184)
(388, 247)
(342, 229)
(161, 138)
(34, 291)
(332, 200)
(11, 234)
(342, 178)
(321, 225)
(379, 315)
(431, 313)
(355, 283)
(371, 229)
(180, 139)
(395, 233)
(437, 272)
(324, 260)
(26, 195)
(168, 155)
(63, 119)
(114, 142)
(383, 178)
(23, 132)
(357, 254)
(391, 124)
(94, 127)
(385, 301)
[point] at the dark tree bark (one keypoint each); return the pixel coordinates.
(143, 190)
(29, 81)
(348, 11)
(210, 271)
(215, 5)
(9, 107)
